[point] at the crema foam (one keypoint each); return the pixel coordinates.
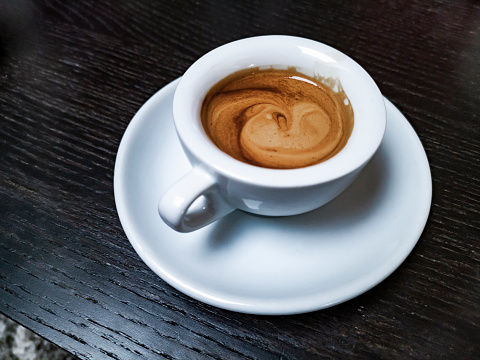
(280, 119)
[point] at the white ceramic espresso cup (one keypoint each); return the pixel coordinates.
(219, 184)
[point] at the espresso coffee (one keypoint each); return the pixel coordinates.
(280, 119)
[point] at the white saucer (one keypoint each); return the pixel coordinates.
(264, 265)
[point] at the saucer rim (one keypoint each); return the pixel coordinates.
(296, 306)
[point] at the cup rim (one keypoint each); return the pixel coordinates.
(198, 80)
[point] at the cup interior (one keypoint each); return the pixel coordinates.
(307, 56)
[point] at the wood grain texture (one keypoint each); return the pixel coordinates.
(73, 74)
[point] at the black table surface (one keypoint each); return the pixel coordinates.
(73, 74)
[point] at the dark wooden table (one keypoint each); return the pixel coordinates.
(73, 74)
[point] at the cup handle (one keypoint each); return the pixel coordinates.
(193, 202)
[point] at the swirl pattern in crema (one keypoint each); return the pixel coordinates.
(279, 119)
